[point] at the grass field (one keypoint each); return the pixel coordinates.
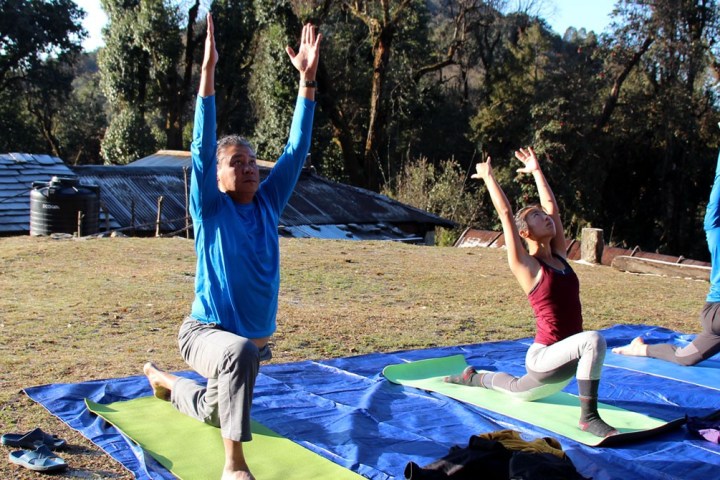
(77, 310)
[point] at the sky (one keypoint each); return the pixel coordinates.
(591, 14)
(560, 14)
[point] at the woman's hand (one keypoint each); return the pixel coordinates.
(527, 156)
(483, 170)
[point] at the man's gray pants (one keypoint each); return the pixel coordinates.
(230, 363)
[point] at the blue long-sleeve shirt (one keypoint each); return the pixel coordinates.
(238, 257)
(712, 232)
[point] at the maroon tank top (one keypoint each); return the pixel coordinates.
(555, 300)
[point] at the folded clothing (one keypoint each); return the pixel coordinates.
(707, 427)
(500, 455)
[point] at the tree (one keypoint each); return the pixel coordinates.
(31, 30)
(238, 34)
(39, 42)
(124, 72)
(146, 67)
(382, 18)
(663, 129)
(45, 90)
(81, 119)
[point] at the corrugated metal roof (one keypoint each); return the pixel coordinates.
(164, 158)
(315, 202)
(17, 173)
(378, 231)
(319, 201)
(130, 195)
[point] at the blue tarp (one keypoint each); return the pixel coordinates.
(346, 411)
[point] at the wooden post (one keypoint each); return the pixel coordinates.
(107, 217)
(80, 217)
(592, 245)
(132, 215)
(159, 215)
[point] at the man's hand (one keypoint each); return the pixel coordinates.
(527, 156)
(211, 55)
(306, 59)
(483, 170)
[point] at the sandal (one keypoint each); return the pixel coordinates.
(40, 460)
(32, 440)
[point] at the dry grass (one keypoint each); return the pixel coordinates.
(77, 310)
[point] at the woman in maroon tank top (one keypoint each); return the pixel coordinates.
(535, 243)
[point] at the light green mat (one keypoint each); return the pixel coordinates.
(558, 413)
(191, 450)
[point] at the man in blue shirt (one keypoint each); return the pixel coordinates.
(235, 218)
(707, 343)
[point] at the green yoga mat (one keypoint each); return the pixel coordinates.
(557, 413)
(191, 449)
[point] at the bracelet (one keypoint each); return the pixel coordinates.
(309, 84)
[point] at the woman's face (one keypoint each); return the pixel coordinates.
(540, 225)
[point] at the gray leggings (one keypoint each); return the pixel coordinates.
(705, 345)
(550, 368)
(230, 363)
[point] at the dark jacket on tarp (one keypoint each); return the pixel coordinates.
(500, 455)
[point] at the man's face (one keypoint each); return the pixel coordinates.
(238, 173)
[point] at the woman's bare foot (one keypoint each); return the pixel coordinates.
(637, 348)
(160, 381)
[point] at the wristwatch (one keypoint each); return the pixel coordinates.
(309, 84)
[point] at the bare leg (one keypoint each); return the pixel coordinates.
(235, 466)
(161, 382)
(637, 348)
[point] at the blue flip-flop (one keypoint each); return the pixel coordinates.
(40, 460)
(32, 439)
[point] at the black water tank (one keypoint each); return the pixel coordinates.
(54, 207)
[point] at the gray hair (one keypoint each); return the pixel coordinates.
(232, 141)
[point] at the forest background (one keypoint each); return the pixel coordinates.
(412, 93)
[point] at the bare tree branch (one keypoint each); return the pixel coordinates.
(611, 101)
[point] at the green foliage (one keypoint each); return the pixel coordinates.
(16, 124)
(143, 66)
(39, 42)
(236, 34)
(127, 138)
(82, 122)
(123, 64)
(441, 190)
(342, 114)
(32, 30)
(662, 140)
(503, 120)
(273, 89)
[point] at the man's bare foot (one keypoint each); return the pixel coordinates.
(161, 382)
(637, 348)
(237, 475)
